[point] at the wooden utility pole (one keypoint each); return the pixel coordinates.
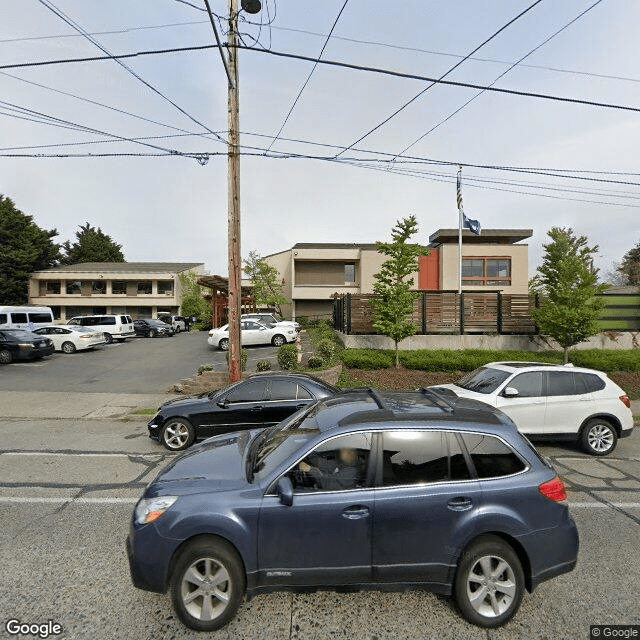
(235, 261)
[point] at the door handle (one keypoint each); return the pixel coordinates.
(460, 503)
(256, 409)
(355, 512)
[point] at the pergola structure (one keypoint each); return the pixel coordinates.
(219, 286)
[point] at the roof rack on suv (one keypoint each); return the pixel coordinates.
(379, 400)
(439, 398)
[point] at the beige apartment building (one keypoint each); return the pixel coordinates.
(140, 289)
(313, 273)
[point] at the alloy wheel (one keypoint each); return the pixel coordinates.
(175, 435)
(600, 438)
(491, 586)
(205, 589)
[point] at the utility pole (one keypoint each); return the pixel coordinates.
(235, 265)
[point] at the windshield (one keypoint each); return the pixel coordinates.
(274, 445)
(483, 380)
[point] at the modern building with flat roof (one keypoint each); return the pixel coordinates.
(140, 289)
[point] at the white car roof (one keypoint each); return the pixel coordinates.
(512, 366)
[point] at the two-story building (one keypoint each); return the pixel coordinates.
(313, 272)
(140, 289)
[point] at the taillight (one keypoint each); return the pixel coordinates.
(554, 490)
(625, 401)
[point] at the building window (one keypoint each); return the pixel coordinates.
(98, 287)
(53, 287)
(119, 287)
(74, 288)
(484, 271)
(145, 288)
(165, 287)
(350, 272)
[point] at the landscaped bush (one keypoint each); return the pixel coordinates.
(326, 347)
(303, 321)
(450, 361)
(263, 365)
(244, 356)
(608, 360)
(288, 356)
(315, 362)
(367, 359)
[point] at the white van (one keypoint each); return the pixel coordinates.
(115, 327)
(25, 317)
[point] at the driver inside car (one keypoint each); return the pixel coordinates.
(335, 474)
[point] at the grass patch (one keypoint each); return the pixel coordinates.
(147, 411)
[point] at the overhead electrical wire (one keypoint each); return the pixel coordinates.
(440, 78)
(306, 82)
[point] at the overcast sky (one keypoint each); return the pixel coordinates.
(172, 209)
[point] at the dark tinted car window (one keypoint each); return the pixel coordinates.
(252, 391)
(528, 385)
(491, 457)
(107, 320)
(414, 457)
(123, 319)
(458, 469)
(590, 382)
(284, 390)
(39, 317)
(3, 318)
(19, 317)
(483, 380)
(560, 383)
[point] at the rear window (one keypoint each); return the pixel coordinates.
(491, 457)
(40, 317)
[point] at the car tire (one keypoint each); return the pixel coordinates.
(224, 344)
(109, 338)
(278, 340)
(598, 437)
(489, 582)
(177, 434)
(177, 329)
(152, 333)
(121, 340)
(68, 347)
(207, 584)
(5, 356)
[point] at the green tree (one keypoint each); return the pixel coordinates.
(629, 268)
(91, 245)
(24, 248)
(394, 299)
(569, 283)
(192, 300)
(267, 283)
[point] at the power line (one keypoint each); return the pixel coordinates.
(504, 73)
(444, 75)
(306, 82)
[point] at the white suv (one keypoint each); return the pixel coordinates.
(552, 401)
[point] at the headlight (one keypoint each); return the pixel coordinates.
(26, 345)
(150, 509)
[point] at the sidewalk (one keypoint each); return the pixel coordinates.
(57, 404)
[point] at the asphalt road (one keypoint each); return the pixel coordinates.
(140, 365)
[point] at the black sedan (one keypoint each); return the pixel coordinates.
(260, 401)
(152, 328)
(16, 344)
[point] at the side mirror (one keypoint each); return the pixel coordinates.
(223, 404)
(284, 489)
(510, 392)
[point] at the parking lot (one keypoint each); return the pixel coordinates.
(71, 470)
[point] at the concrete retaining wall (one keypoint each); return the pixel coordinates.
(606, 340)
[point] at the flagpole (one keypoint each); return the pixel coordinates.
(460, 230)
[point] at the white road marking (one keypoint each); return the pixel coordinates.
(68, 499)
(596, 505)
(78, 455)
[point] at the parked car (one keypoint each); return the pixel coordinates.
(260, 401)
(270, 320)
(114, 326)
(152, 328)
(17, 344)
(253, 333)
(72, 338)
(553, 401)
(177, 322)
(359, 490)
(23, 317)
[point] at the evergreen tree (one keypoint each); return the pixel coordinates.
(91, 245)
(629, 268)
(24, 248)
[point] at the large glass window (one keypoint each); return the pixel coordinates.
(39, 318)
(98, 287)
(528, 385)
(53, 287)
(74, 287)
(145, 287)
(491, 457)
(165, 287)
(350, 272)
(119, 287)
(485, 271)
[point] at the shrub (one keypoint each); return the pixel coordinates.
(326, 347)
(316, 362)
(205, 367)
(288, 356)
(367, 359)
(263, 365)
(244, 356)
(609, 360)
(303, 321)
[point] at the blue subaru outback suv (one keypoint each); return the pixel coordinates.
(361, 490)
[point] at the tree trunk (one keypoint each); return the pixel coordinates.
(566, 355)
(397, 357)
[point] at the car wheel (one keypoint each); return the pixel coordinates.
(152, 333)
(68, 347)
(177, 330)
(109, 338)
(224, 344)
(177, 434)
(5, 356)
(121, 340)
(489, 582)
(599, 437)
(278, 340)
(207, 584)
